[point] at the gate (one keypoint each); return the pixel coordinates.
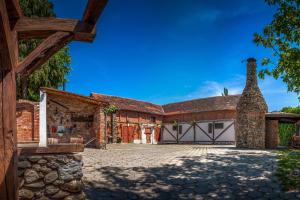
(209, 132)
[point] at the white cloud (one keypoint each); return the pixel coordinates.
(215, 88)
(274, 91)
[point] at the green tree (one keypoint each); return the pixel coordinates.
(282, 37)
(295, 110)
(53, 73)
(225, 92)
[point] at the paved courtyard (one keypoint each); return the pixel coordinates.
(131, 171)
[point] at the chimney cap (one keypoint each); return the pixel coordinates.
(251, 59)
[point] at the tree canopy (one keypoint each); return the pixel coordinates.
(295, 110)
(282, 37)
(53, 73)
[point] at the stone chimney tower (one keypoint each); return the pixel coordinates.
(251, 110)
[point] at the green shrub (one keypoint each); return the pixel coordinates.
(286, 131)
(288, 169)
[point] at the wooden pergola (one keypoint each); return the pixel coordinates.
(56, 34)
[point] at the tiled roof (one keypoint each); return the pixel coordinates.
(203, 105)
(130, 104)
(191, 106)
(81, 98)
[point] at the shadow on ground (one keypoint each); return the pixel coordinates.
(234, 175)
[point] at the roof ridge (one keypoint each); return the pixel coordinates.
(143, 101)
(205, 98)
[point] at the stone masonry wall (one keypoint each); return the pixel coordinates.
(251, 110)
(50, 176)
(70, 118)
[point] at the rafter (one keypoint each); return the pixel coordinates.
(14, 10)
(28, 28)
(6, 43)
(92, 12)
(43, 52)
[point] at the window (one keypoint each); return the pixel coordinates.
(210, 128)
(180, 129)
(219, 125)
(153, 119)
(174, 127)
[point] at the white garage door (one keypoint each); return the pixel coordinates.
(212, 132)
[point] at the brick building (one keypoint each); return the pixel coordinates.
(70, 117)
(63, 117)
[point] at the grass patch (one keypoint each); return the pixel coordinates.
(286, 131)
(288, 170)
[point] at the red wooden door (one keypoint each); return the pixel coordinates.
(130, 133)
(157, 134)
(125, 138)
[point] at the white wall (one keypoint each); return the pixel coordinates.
(43, 119)
(187, 134)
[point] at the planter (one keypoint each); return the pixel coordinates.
(76, 140)
(52, 141)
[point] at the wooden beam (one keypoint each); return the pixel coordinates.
(43, 52)
(8, 140)
(93, 11)
(14, 11)
(29, 28)
(6, 40)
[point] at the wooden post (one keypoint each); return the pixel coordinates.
(105, 130)
(177, 131)
(213, 129)
(8, 137)
(194, 129)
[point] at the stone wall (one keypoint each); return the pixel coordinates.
(50, 176)
(251, 110)
(272, 134)
(27, 121)
(67, 118)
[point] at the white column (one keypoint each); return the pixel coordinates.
(144, 140)
(43, 119)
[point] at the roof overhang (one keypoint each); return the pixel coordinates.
(283, 117)
(70, 95)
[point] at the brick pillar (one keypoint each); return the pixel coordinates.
(251, 110)
(99, 124)
(272, 134)
(114, 128)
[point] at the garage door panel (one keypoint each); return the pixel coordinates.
(200, 136)
(169, 134)
(187, 134)
(227, 136)
(205, 131)
(202, 132)
(225, 124)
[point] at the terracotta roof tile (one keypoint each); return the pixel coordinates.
(82, 98)
(203, 105)
(130, 104)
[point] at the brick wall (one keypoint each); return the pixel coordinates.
(27, 121)
(189, 117)
(129, 122)
(272, 134)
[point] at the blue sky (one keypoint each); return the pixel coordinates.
(164, 51)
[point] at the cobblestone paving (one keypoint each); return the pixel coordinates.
(181, 172)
